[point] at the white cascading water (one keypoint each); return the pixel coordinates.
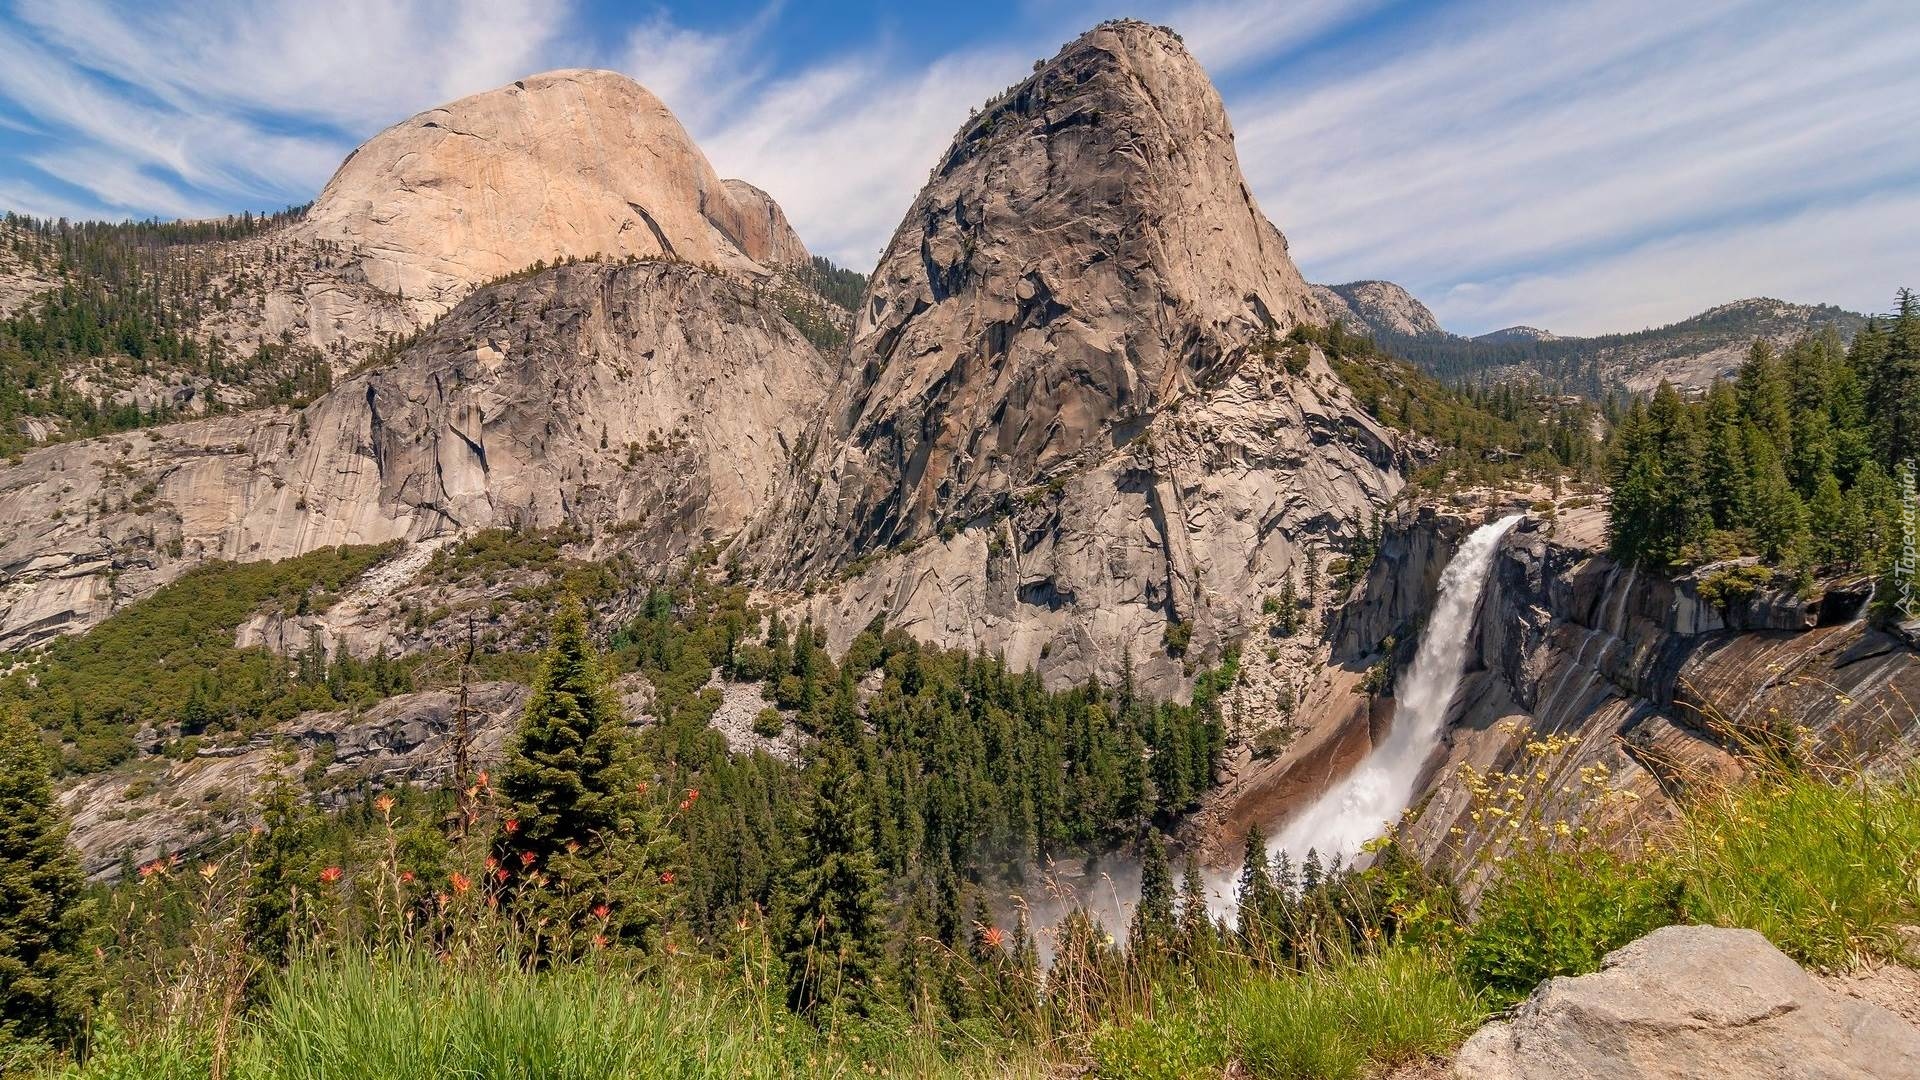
(1360, 807)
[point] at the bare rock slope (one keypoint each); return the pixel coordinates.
(1377, 307)
(656, 403)
(568, 164)
(1074, 433)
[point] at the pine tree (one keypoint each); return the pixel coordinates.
(1893, 395)
(1257, 896)
(1725, 469)
(48, 982)
(1151, 935)
(834, 910)
(282, 883)
(1196, 920)
(581, 833)
(1779, 518)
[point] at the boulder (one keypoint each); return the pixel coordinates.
(1691, 1003)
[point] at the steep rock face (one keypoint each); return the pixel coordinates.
(568, 164)
(1617, 668)
(1693, 1001)
(1084, 253)
(1072, 421)
(656, 402)
(1380, 307)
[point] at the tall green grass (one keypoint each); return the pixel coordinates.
(414, 1018)
(1827, 871)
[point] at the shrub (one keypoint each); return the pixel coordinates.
(1176, 1045)
(1559, 913)
(768, 724)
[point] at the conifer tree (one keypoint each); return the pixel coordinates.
(1893, 396)
(834, 910)
(1725, 470)
(283, 879)
(1151, 934)
(582, 846)
(1257, 895)
(47, 978)
(1196, 920)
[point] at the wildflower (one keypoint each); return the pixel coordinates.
(526, 858)
(573, 847)
(384, 804)
(993, 937)
(600, 911)
(152, 868)
(641, 787)
(599, 941)
(491, 863)
(330, 875)
(500, 874)
(406, 877)
(207, 870)
(666, 878)
(460, 883)
(512, 825)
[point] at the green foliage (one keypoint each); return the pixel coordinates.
(1352, 1018)
(1823, 869)
(128, 298)
(832, 902)
(583, 849)
(1732, 586)
(1788, 462)
(1181, 1044)
(283, 857)
(48, 980)
(170, 659)
(1559, 913)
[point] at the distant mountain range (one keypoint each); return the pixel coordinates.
(1690, 353)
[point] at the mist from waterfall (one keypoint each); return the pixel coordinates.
(1356, 809)
(1367, 800)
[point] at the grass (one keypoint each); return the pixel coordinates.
(1827, 871)
(414, 1018)
(1355, 1017)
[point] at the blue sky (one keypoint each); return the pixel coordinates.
(1580, 166)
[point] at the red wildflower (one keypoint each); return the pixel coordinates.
(460, 882)
(500, 874)
(599, 941)
(512, 826)
(643, 787)
(666, 878)
(600, 911)
(406, 876)
(330, 875)
(526, 858)
(993, 937)
(492, 862)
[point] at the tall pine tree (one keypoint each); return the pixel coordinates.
(834, 911)
(47, 978)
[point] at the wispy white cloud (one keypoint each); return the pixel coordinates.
(1551, 164)
(1496, 144)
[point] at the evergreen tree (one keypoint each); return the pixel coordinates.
(1257, 895)
(1893, 395)
(48, 981)
(1196, 921)
(282, 883)
(1151, 935)
(834, 910)
(1765, 398)
(1725, 469)
(1779, 518)
(581, 833)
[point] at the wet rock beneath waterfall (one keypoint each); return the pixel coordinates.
(1693, 1001)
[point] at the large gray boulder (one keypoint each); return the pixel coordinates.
(1691, 1003)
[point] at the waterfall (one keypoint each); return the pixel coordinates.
(1359, 807)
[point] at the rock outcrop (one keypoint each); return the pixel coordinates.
(1377, 307)
(1689, 1002)
(656, 403)
(569, 164)
(1072, 422)
(1085, 253)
